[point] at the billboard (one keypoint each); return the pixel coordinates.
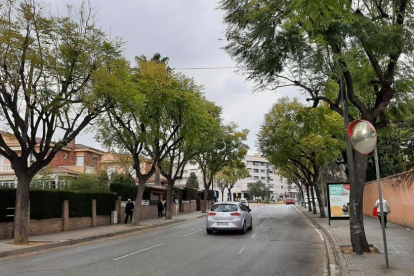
(338, 200)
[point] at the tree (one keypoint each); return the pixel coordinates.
(148, 119)
(57, 73)
(258, 189)
(87, 182)
(220, 184)
(192, 181)
(363, 48)
(122, 178)
(390, 155)
(225, 146)
(291, 134)
(232, 173)
(188, 119)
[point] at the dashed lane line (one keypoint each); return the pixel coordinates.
(136, 252)
(193, 232)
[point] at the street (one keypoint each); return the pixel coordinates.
(282, 242)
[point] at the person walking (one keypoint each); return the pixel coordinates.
(160, 209)
(387, 209)
(129, 210)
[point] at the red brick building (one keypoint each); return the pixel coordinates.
(70, 161)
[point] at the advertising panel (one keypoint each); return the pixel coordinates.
(338, 200)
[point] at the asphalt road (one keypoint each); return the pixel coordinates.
(282, 242)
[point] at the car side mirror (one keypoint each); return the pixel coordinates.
(250, 210)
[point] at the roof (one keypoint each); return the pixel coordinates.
(84, 147)
(61, 170)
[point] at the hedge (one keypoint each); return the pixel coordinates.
(189, 194)
(46, 204)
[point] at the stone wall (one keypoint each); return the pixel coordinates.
(398, 190)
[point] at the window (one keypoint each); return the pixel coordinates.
(255, 170)
(94, 161)
(262, 171)
(281, 186)
(224, 208)
(80, 160)
(250, 163)
(262, 178)
(256, 177)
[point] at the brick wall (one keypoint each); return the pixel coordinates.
(46, 226)
(64, 158)
(88, 159)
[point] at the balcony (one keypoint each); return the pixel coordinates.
(6, 168)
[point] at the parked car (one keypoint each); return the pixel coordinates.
(229, 216)
(245, 202)
(289, 201)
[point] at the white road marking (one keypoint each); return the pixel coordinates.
(254, 235)
(193, 232)
(142, 250)
(242, 250)
(320, 234)
(261, 226)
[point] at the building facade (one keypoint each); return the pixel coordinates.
(259, 168)
(70, 161)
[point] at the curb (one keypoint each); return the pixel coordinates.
(88, 239)
(337, 263)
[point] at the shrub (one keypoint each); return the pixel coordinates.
(189, 194)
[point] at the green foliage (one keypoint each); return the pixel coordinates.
(312, 44)
(390, 155)
(88, 183)
(258, 189)
(298, 141)
(123, 178)
(192, 181)
(234, 172)
(189, 193)
(225, 148)
(124, 190)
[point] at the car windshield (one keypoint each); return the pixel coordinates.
(224, 208)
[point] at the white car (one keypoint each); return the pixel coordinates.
(229, 216)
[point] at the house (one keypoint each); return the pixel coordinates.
(70, 161)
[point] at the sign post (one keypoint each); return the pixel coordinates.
(338, 201)
(364, 140)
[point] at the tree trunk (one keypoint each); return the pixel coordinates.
(319, 198)
(222, 195)
(356, 219)
(313, 199)
(302, 197)
(168, 211)
(204, 206)
(138, 200)
(307, 194)
(229, 189)
(21, 213)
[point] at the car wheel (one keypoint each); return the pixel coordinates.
(209, 231)
(243, 230)
(251, 225)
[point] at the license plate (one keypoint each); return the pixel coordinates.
(222, 223)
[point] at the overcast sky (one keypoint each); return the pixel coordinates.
(191, 34)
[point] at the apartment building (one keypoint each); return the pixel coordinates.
(259, 168)
(70, 161)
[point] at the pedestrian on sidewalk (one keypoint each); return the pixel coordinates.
(160, 209)
(129, 210)
(387, 209)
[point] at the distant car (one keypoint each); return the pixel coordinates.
(229, 216)
(289, 201)
(245, 202)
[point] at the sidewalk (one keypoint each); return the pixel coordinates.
(400, 243)
(65, 238)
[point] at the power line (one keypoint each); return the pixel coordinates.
(205, 68)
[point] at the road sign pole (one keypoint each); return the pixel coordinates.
(384, 235)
